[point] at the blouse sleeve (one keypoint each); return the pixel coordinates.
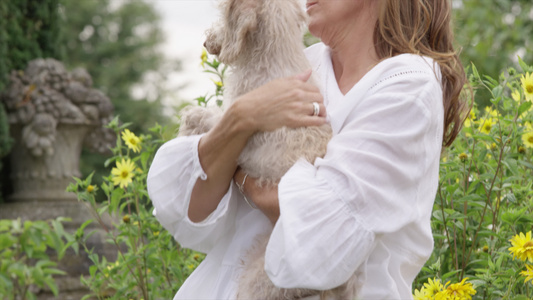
(171, 178)
(334, 212)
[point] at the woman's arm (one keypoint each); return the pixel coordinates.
(282, 102)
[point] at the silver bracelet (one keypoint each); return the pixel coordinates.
(241, 189)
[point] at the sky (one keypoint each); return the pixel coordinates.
(184, 23)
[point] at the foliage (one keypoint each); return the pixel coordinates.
(150, 264)
(493, 35)
(25, 249)
(119, 46)
(216, 68)
(29, 29)
(484, 197)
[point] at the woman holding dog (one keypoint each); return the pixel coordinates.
(391, 82)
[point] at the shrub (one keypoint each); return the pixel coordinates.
(25, 249)
(484, 199)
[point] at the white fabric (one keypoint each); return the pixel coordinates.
(365, 207)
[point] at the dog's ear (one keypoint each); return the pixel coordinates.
(241, 17)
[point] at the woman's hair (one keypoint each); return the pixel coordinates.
(424, 27)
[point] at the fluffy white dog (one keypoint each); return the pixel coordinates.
(261, 40)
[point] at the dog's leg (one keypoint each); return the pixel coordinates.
(198, 120)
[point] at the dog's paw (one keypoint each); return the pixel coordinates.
(197, 120)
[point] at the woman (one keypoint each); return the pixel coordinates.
(391, 83)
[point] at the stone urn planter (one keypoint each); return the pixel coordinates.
(52, 114)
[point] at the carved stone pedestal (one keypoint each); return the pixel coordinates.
(46, 177)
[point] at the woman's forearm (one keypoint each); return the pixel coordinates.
(218, 151)
(281, 102)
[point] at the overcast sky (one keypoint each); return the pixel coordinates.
(184, 23)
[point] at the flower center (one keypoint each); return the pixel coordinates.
(529, 88)
(124, 174)
(528, 244)
(530, 139)
(132, 141)
(488, 127)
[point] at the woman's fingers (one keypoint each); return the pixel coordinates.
(283, 102)
(304, 76)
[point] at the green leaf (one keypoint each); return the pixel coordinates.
(524, 66)
(524, 107)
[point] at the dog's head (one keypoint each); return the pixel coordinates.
(243, 20)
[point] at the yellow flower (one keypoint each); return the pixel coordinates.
(528, 273)
(203, 57)
(516, 95)
(421, 295)
(132, 141)
(471, 118)
(527, 138)
(491, 112)
(218, 83)
(126, 219)
(486, 125)
(527, 85)
(90, 188)
(432, 287)
(457, 291)
(463, 156)
(123, 173)
(156, 233)
(522, 246)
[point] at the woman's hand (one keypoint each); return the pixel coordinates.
(265, 198)
(281, 102)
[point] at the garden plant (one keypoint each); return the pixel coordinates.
(482, 218)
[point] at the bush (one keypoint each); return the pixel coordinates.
(150, 264)
(482, 219)
(25, 250)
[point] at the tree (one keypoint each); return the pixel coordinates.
(493, 34)
(118, 45)
(28, 29)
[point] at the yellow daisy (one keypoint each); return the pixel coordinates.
(421, 295)
(491, 112)
(432, 287)
(460, 291)
(486, 125)
(123, 173)
(132, 141)
(90, 188)
(522, 246)
(528, 273)
(527, 138)
(527, 85)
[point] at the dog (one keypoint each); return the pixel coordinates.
(261, 40)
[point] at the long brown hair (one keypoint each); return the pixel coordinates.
(424, 27)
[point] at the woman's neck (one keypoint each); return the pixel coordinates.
(353, 54)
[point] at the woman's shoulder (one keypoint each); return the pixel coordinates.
(315, 52)
(407, 68)
(409, 64)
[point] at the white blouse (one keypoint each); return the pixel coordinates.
(365, 207)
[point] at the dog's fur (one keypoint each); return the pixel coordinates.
(262, 40)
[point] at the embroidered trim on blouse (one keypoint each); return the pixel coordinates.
(397, 75)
